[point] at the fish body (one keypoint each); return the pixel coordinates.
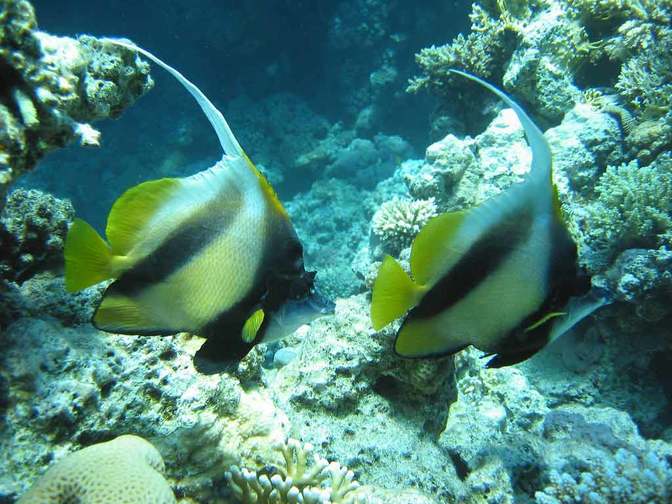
(213, 254)
(498, 276)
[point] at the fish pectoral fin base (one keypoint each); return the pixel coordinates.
(394, 293)
(221, 356)
(88, 257)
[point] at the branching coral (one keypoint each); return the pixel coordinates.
(560, 44)
(298, 481)
(633, 208)
(481, 52)
(398, 221)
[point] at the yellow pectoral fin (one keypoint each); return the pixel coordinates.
(394, 293)
(544, 319)
(429, 247)
(133, 210)
(252, 325)
(87, 257)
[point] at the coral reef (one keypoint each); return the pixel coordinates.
(52, 87)
(115, 385)
(552, 53)
(125, 470)
(597, 456)
(459, 173)
(586, 419)
(332, 220)
(33, 226)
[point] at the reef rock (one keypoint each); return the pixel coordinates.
(53, 87)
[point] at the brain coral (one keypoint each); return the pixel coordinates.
(126, 470)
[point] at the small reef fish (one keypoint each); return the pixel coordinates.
(502, 276)
(213, 254)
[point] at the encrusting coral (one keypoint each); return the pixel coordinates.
(297, 481)
(125, 470)
(52, 87)
(33, 226)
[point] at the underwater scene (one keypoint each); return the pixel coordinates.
(340, 251)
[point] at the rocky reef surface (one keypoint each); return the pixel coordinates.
(330, 414)
(51, 88)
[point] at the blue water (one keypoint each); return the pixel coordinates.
(233, 52)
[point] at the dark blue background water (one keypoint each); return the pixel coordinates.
(322, 52)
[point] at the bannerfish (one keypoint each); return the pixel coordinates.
(213, 254)
(502, 276)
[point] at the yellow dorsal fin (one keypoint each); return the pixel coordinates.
(544, 319)
(557, 205)
(133, 210)
(394, 293)
(88, 259)
(269, 193)
(252, 325)
(432, 244)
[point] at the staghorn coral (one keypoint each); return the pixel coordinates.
(396, 222)
(296, 481)
(52, 87)
(125, 470)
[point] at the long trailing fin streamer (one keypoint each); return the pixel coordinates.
(541, 152)
(226, 137)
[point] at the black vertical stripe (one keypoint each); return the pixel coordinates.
(180, 246)
(566, 279)
(482, 259)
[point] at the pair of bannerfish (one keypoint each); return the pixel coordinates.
(215, 254)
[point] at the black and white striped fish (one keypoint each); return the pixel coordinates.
(499, 276)
(213, 254)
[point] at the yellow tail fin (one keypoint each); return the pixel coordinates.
(394, 293)
(87, 257)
